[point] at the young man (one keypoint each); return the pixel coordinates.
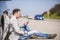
(4, 22)
(14, 24)
(5, 13)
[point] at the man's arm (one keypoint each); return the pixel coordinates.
(26, 22)
(17, 28)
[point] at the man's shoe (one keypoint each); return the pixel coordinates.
(51, 36)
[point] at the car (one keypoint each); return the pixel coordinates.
(39, 17)
(30, 17)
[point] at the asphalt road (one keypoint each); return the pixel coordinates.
(45, 26)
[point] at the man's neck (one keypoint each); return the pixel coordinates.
(14, 16)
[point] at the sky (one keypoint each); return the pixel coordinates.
(31, 7)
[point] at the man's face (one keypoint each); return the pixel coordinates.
(4, 14)
(18, 14)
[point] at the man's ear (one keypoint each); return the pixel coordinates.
(15, 13)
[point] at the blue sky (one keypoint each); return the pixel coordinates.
(31, 7)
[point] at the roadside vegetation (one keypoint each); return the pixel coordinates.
(53, 13)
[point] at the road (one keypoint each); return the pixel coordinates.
(45, 26)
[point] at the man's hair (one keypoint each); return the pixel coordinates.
(5, 12)
(16, 10)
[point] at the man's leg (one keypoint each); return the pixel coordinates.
(39, 34)
(23, 37)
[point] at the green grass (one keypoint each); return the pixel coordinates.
(54, 16)
(46, 16)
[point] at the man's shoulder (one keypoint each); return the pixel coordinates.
(12, 19)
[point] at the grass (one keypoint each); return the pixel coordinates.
(54, 16)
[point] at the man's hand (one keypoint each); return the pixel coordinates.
(25, 32)
(26, 23)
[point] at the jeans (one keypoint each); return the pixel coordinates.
(30, 33)
(39, 34)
